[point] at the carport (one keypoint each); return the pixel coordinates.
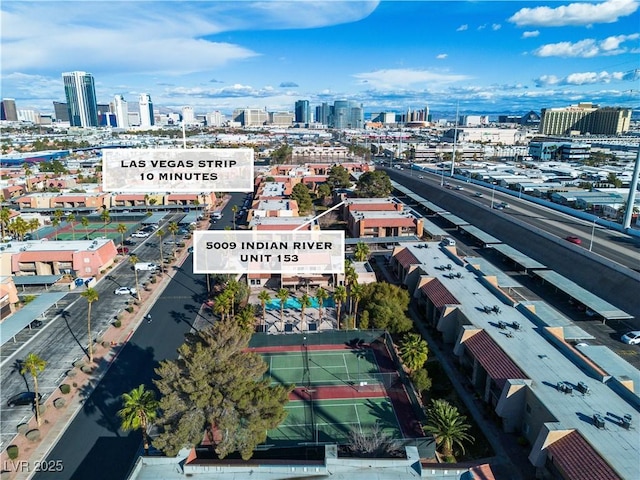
(585, 297)
(453, 219)
(433, 230)
(518, 257)
(154, 219)
(480, 235)
(35, 280)
(12, 325)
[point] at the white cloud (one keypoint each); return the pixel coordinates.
(496, 26)
(587, 48)
(462, 28)
(530, 34)
(576, 14)
(587, 78)
(442, 56)
(403, 77)
(482, 27)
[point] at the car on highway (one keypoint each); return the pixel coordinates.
(498, 206)
(125, 291)
(140, 234)
(573, 239)
(123, 250)
(458, 187)
(631, 338)
(478, 194)
(421, 176)
(23, 398)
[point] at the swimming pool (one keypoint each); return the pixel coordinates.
(293, 303)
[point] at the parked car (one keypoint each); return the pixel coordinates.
(123, 250)
(125, 291)
(573, 239)
(140, 234)
(631, 338)
(23, 398)
(36, 324)
(129, 242)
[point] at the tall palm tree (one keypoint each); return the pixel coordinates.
(85, 223)
(448, 426)
(350, 277)
(222, 304)
(246, 318)
(139, 410)
(33, 365)
(5, 214)
(173, 229)
(56, 223)
(282, 295)
(122, 229)
(357, 291)
(339, 296)
(321, 296)
(133, 259)
(146, 201)
(414, 351)
(264, 298)
(305, 302)
(234, 210)
(91, 294)
(27, 173)
(71, 220)
(34, 225)
(232, 287)
(361, 252)
(105, 216)
(160, 233)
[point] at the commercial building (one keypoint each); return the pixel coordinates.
(61, 111)
(282, 119)
(80, 91)
(215, 119)
(302, 112)
(8, 110)
(585, 118)
(121, 109)
(250, 117)
(188, 115)
(147, 118)
(347, 114)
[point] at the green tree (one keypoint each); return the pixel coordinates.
(305, 302)
(282, 154)
(222, 305)
(338, 178)
(55, 222)
(122, 229)
(448, 426)
(264, 298)
(216, 387)
(321, 296)
(85, 223)
(357, 291)
(300, 193)
(386, 305)
(173, 229)
(374, 184)
(34, 225)
(133, 259)
(34, 365)
(160, 233)
(246, 318)
(106, 217)
(5, 215)
(91, 294)
(613, 179)
(324, 191)
(421, 380)
(361, 252)
(339, 296)
(234, 210)
(139, 411)
(71, 220)
(414, 351)
(282, 295)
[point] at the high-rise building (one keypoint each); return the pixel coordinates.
(8, 110)
(302, 112)
(323, 113)
(188, 116)
(28, 116)
(215, 119)
(585, 118)
(121, 109)
(347, 114)
(283, 119)
(147, 118)
(79, 88)
(61, 111)
(250, 117)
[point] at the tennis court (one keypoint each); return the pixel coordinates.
(93, 230)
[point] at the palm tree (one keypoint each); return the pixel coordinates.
(85, 223)
(160, 233)
(234, 210)
(34, 225)
(246, 318)
(56, 223)
(448, 426)
(321, 296)
(139, 410)
(122, 229)
(146, 201)
(305, 302)
(414, 351)
(339, 296)
(27, 173)
(282, 295)
(264, 298)
(91, 294)
(361, 252)
(357, 291)
(71, 219)
(173, 229)
(105, 216)
(350, 277)
(33, 365)
(223, 304)
(133, 259)
(5, 214)
(232, 287)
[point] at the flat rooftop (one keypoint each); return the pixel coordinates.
(51, 245)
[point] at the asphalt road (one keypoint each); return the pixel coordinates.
(93, 447)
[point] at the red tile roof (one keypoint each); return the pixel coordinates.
(497, 363)
(438, 294)
(574, 457)
(406, 258)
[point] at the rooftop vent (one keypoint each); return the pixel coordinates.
(565, 388)
(583, 388)
(515, 326)
(598, 421)
(626, 422)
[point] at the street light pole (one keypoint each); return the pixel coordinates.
(593, 231)
(493, 191)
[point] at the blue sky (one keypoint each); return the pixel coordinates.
(488, 56)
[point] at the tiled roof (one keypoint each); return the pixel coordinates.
(389, 222)
(406, 258)
(574, 457)
(438, 294)
(129, 197)
(497, 363)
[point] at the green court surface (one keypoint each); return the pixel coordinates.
(94, 230)
(325, 367)
(331, 421)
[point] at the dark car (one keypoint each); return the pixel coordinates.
(23, 398)
(36, 324)
(129, 242)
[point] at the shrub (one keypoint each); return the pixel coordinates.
(129, 309)
(78, 363)
(106, 344)
(59, 402)
(65, 388)
(13, 451)
(117, 323)
(33, 435)
(75, 385)
(71, 373)
(23, 428)
(153, 280)
(87, 369)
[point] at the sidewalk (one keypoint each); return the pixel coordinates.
(56, 420)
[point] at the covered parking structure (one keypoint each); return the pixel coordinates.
(12, 325)
(154, 219)
(35, 280)
(433, 230)
(518, 258)
(429, 206)
(591, 301)
(480, 235)
(453, 219)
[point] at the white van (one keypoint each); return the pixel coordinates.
(145, 266)
(216, 215)
(448, 242)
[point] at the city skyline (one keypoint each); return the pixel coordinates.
(388, 56)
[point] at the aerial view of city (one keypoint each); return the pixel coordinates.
(320, 239)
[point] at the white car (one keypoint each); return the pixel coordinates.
(140, 234)
(125, 291)
(631, 338)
